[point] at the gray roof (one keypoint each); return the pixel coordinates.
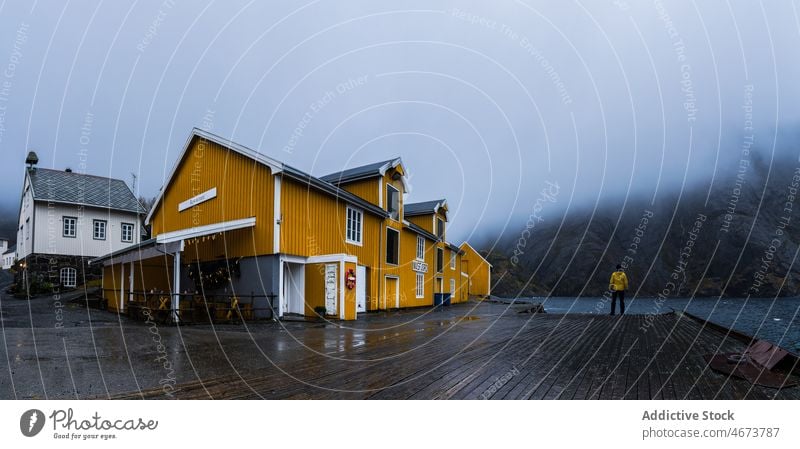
(423, 208)
(11, 249)
(87, 190)
(362, 172)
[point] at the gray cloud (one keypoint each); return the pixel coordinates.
(485, 101)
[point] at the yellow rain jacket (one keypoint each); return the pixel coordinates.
(618, 282)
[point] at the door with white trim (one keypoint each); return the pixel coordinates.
(361, 288)
(294, 287)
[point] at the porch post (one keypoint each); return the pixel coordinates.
(130, 283)
(176, 285)
(121, 287)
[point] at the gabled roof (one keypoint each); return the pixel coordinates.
(475, 251)
(362, 172)
(80, 189)
(276, 167)
(423, 208)
(11, 249)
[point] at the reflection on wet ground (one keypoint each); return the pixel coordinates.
(474, 350)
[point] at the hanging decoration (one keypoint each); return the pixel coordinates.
(215, 273)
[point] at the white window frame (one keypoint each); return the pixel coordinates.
(95, 228)
(122, 228)
(74, 221)
(420, 247)
(389, 203)
(452, 260)
(68, 277)
(452, 287)
(357, 235)
(420, 285)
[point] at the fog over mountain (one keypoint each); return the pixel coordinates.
(736, 237)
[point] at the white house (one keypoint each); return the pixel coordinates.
(9, 257)
(67, 218)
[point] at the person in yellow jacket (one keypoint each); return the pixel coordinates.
(618, 284)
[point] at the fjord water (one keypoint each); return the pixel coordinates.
(774, 320)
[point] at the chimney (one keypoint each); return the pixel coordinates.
(32, 159)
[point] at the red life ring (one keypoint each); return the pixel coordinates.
(350, 279)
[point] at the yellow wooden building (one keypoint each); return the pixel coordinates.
(237, 232)
(478, 271)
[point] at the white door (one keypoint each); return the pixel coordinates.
(361, 288)
(294, 287)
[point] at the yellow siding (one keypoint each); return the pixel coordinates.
(315, 287)
(408, 277)
(313, 224)
(366, 189)
(111, 286)
(244, 189)
(423, 221)
(478, 270)
(349, 302)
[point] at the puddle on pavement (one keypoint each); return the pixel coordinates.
(453, 321)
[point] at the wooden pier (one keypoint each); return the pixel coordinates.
(486, 351)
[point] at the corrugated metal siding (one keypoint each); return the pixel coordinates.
(245, 189)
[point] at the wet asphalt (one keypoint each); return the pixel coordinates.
(54, 347)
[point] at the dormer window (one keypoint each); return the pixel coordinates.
(440, 228)
(393, 201)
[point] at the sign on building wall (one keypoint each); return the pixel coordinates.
(330, 288)
(420, 267)
(197, 199)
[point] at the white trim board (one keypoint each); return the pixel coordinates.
(199, 231)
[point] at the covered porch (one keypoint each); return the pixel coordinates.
(187, 277)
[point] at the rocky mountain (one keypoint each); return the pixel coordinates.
(735, 238)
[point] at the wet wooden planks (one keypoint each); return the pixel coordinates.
(502, 355)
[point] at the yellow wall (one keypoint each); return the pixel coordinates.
(478, 270)
(366, 189)
(111, 286)
(315, 287)
(349, 302)
(244, 189)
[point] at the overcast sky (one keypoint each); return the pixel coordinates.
(484, 101)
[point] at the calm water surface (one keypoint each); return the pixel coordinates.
(775, 320)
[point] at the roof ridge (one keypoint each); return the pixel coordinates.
(79, 174)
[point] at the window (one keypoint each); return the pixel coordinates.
(439, 260)
(127, 232)
(70, 226)
(452, 260)
(452, 288)
(420, 285)
(99, 230)
(354, 225)
(420, 247)
(440, 228)
(392, 246)
(68, 277)
(393, 201)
